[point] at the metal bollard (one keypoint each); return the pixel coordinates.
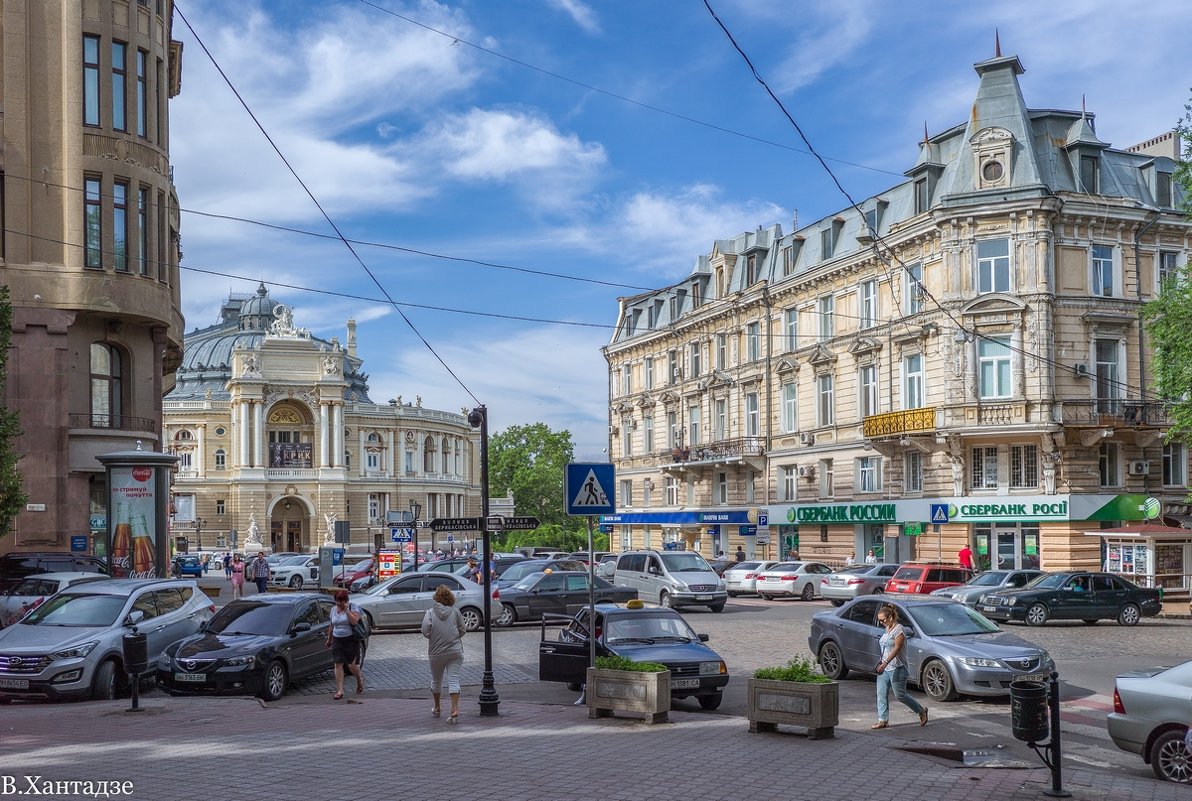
(136, 661)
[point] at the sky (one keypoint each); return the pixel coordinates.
(515, 166)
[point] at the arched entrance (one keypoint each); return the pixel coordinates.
(289, 525)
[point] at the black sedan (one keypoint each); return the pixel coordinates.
(561, 592)
(516, 572)
(987, 583)
(255, 645)
(1073, 595)
(643, 634)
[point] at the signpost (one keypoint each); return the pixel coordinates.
(590, 489)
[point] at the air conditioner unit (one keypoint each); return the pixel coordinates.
(612, 429)
(1080, 369)
(806, 471)
(807, 438)
(1138, 467)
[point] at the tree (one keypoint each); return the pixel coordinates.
(529, 462)
(12, 492)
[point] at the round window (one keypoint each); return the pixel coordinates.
(992, 171)
(219, 432)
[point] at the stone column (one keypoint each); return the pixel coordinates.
(324, 411)
(258, 409)
(337, 435)
(242, 457)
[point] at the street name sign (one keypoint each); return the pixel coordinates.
(456, 524)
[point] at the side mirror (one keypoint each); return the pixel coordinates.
(299, 628)
(703, 637)
(907, 631)
(654, 571)
(203, 625)
(134, 617)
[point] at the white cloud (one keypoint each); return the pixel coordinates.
(581, 13)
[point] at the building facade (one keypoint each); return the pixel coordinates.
(276, 435)
(960, 355)
(89, 247)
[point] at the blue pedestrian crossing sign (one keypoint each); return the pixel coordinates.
(939, 513)
(590, 488)
(401, 534)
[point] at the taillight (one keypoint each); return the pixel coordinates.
(917, 587)
(788, 578)
(496, 593)
(211, 609)
(823, 581)
(851, 582)
(1117, 703)
(751, 575)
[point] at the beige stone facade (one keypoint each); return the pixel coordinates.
(966, 341)
(90, 246)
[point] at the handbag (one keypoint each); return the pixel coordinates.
(360, 629)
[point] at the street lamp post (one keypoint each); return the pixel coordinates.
(199, 523)
(415, 509)
(489, 700)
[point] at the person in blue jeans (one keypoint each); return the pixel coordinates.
(892, 670)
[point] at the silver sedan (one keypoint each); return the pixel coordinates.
(1151, 710)
(402, 601)
(989, 581)
(792, 579)
(741, 577)
(857, 580)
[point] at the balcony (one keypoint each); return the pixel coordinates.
(113, 422)
(1114, 412)
(745, 449)
(897, 424)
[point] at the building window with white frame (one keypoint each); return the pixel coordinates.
(626, 492)
(374, 506)
(1107, 375)
(984, 468)
(912, 381)
(790, 408)
(993, 366)
(867, 390)
(696, 360)
(221, 507)
(690, 490)
(1108, 465)
(721, 351)
(788, 473)
(1169, 267)
(648, 372)
(869, 474)
(915, 290)
(912, 471)
(825, 401)
(647, 491)
(674, 430)
(827, 487)
(720, 419)
(993, 265)
(1102, 267)
(790, 329)
(868, 304)
(648, 434)
(627, 379)
(221, 459)
(1175, 465)
(826, 307)
(722, 488)
(626, 437)
(693, 425)
(1024, 466)
(672, 491)
(752, 415)
(672, 367)
(753, 342)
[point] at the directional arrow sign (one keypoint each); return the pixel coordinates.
(455, 524)
(526, 523)
(496, 523)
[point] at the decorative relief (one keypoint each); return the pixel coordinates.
(283, 325)
(285, 415)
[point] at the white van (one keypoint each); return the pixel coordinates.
(673, 578)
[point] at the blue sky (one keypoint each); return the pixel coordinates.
(520, 156)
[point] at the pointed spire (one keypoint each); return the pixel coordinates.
(1084, 111)
(926, 138)
(997, 44)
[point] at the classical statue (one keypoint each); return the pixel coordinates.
(253, 540)
(252, 365)
(330, 365)
(329, 534)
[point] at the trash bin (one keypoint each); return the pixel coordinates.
(1028, 711)
(136, 653)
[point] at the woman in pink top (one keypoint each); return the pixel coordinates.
(237, 577)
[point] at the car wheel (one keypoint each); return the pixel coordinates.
(808, 593)
(473, 620)
(275, 681)
(295, 582)
(937, 682)
(508, 615)
(1092, 622)
(103, 684)
(831, 661)
(837, 602)
(709, 702)
(879, 590)
(665, 600)
(1036, 615)
(1170, 759)
(717, 607)
(764, 597)
(733, 594)
(1129, 615)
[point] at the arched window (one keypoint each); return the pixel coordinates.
(446, 457)
(107, 386)
(428, 455)
(348, 459)
(221, 459)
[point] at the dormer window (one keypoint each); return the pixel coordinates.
(751, 269)
(1090, 174)
(992, 171)
(1163, 189)
(992, 148)
(922, 200)
(696, 299)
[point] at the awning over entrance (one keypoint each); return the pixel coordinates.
(1144, 531)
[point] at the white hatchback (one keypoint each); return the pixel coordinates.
(741, 577)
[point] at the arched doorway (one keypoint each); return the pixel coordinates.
(289, 524)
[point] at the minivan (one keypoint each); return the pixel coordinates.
(673, 578)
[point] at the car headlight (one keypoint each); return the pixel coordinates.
(1010, 601)
(237, 661)
(163, 660)
(77, 652)
(712, 668)
(721, 584)
(976, 661)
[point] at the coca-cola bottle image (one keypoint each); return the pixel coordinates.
(121, 545)
(142, 552)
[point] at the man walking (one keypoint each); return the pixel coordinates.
(260, 572)
(966, 556)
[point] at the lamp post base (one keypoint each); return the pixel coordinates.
(490, 701)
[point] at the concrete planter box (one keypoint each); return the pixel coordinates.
(629, 692)
(815, 707)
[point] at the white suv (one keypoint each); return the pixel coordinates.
(71, 645)
(295, 571)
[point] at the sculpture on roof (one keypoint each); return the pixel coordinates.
(283, 324)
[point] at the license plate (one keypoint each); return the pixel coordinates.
(1033, 677)
(15, 684)
(703, 597)
(988, 608)
(196, 677)
(684, 684)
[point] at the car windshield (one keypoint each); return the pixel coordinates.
(251, 617)
(365, 565)
(292, 561)
(685, 563)
(857, 570)
(27, 587)
(1048, 581)
(991, 578)
(648, 628)
(529, 581)
(745, 565)
(520, 571)
(77, 610)
(950, 620)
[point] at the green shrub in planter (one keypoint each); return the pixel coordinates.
(622, 663)
(801, 668)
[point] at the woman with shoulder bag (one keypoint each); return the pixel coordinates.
(444, 626)
(344, 645)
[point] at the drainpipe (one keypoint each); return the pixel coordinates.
(1141, 349)
(767, 301)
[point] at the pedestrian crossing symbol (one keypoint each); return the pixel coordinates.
(939, 513)
(589, 489)
(591, 493)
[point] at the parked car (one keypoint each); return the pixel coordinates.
(741, 577)
(254, 646)
(32, 591)
(402, 601)
(519, 571)
(951, 650)
(792, 579)
(349, 574)
(987, 582)
(607, 566)
(1151, 712)
(673, 578)
(559, 592)
(582, 556)
(295, 572)
(856, 580)
(643, 634)
(71, 645)
(275, 559)
(16, 566)
(926, 577)
(185, 565)
(454, 563)
(1074, 595)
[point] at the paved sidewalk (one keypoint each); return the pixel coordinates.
(236, 748)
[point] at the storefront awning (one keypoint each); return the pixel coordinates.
(1151, 531)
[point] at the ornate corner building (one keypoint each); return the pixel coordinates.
(277, 435)
(964, 349)
(89, 248)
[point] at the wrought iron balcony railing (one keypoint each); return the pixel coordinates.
(896, 424)
(1115, 411)
(119, 422)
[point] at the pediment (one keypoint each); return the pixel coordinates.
(668, 397)
(621, 407)
(821, 357)
(787, 365)
(994, 303)
(645, 402)
(1104, 320)
(863, 345)
(717, 378)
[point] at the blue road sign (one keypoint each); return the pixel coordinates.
(747, 531)
(590, 488)
(763, 519)
(401, 534)
(78, 543)
(939, 513)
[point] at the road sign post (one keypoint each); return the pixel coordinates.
(589, 489)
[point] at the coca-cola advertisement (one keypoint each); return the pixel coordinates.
(134, 523)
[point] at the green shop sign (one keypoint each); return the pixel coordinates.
(844, 513)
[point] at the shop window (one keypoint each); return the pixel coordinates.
(984, 468)
(1024, 466)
